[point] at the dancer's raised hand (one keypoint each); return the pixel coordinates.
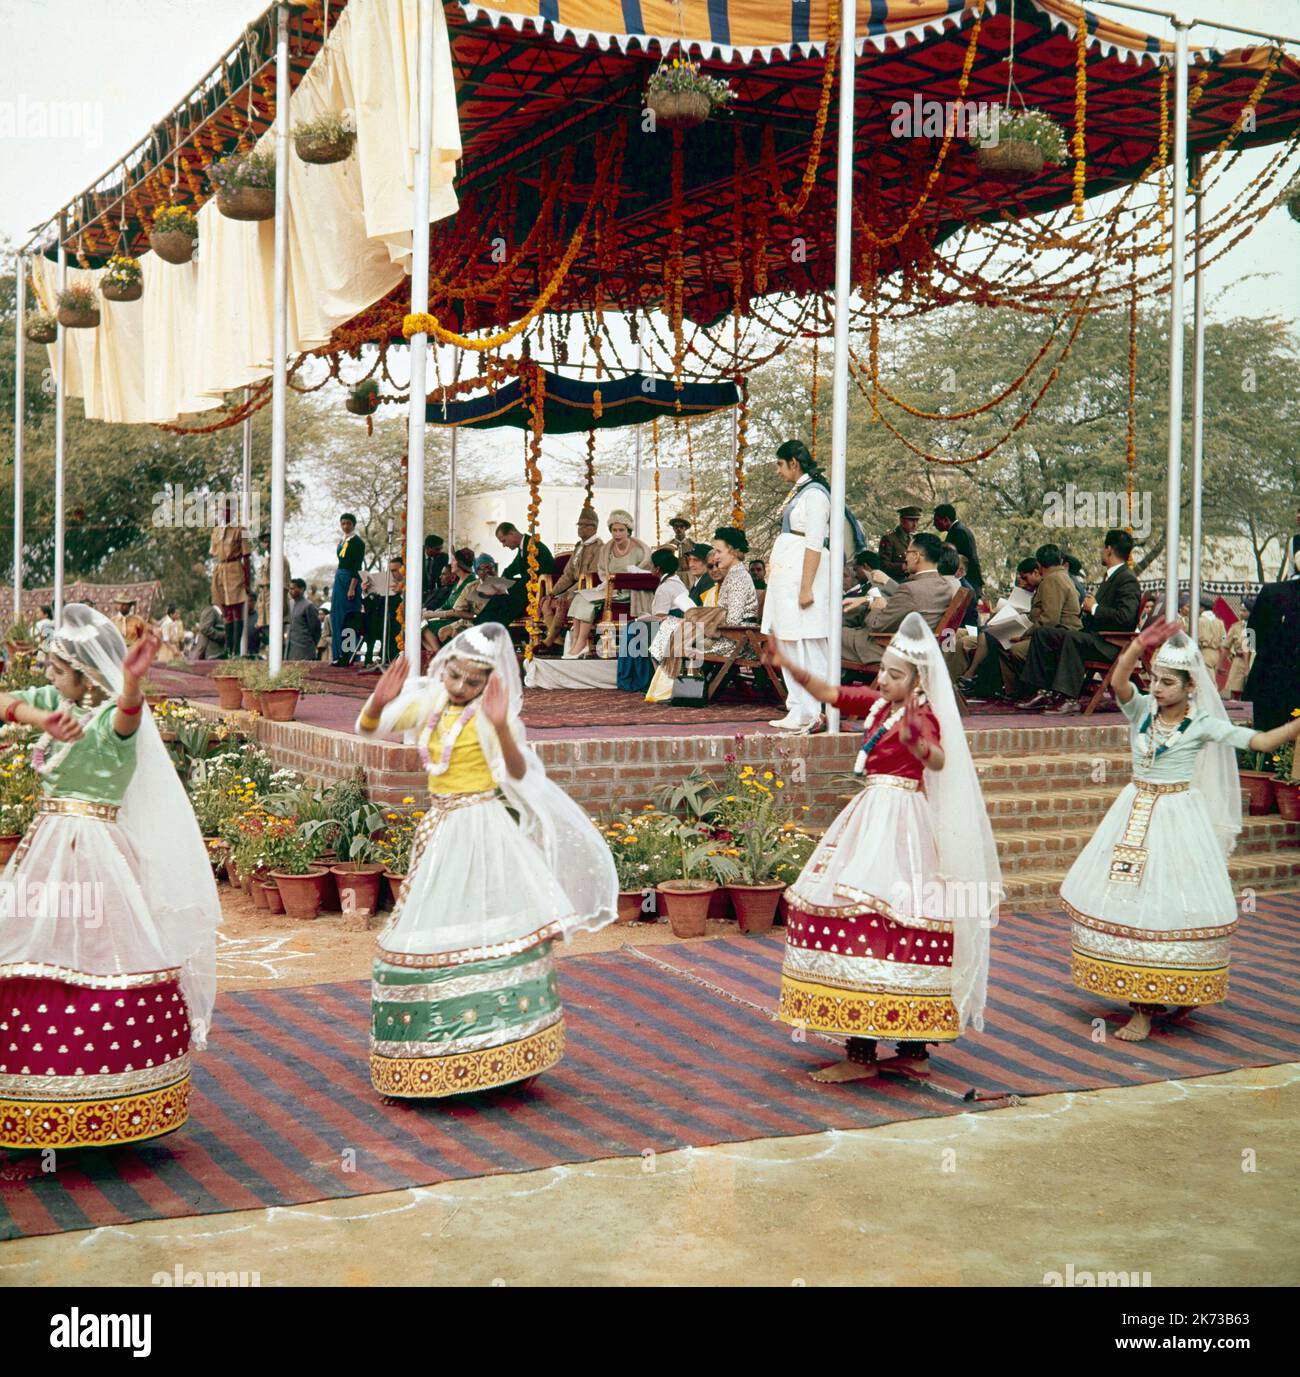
(62, 726)
(918, 730)
(390, 682)
(496, 706)
(138, 658)
(1157, 632)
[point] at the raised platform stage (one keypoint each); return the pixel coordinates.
(1047, 780)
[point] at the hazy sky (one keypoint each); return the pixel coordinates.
(124, 64)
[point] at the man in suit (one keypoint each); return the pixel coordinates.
(304, 623)
(345, 598)
(1273, 687)
(924, 590)
(436, 559)
(957, 534)
(893, 544)
(583, 560)
(1055, 604)
(1054, 665)
(510, 606)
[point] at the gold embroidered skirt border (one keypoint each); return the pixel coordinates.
(873, 1014)
(1148, 984)
(464, 1072)
(59, 1122)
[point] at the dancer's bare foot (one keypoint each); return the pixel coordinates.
(1180, 1013)
(845, 1071)
(906, 1066)
(1137, 1028)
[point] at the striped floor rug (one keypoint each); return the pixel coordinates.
(669, 1046)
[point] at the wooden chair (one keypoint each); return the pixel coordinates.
(1104, 670)
(746, 648)
(947, 626)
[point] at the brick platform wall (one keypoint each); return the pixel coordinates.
(603, 775)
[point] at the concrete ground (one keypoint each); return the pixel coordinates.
(1192, 1181)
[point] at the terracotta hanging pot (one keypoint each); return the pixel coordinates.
(73, 319)
(315, 149)
(121, 291)
(173, 246)
(247, 203)
(1010, 159)
(41, 328)
(678, 109)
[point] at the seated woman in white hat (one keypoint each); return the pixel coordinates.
(622, 553)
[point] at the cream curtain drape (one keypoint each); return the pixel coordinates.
(203, 329)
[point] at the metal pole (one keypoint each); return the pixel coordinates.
(280, 354)
(60, 422)
(246, 502)
(1198, 403)
(451, 491)
(388, 588)
(840, 369)
(419, 343)
(20, 400)
(1177, 248)
(636, 471)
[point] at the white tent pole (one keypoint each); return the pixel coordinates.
(1198, 402)
(419, 343)
(20, 397)
(840, 372)
(246, 500)
(1177, 248)
(280, 354)
(60, 425)
(451, 492)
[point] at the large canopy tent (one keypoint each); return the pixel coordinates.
(597, 213)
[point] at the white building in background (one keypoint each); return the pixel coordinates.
(477, 517)
(1224, 559)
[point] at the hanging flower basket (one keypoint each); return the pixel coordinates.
(364, 398)
(1016, 144)
(78, 308)
(41, 328)
(245, 186)
(679, 95)
(122, 281)
(1292, 197)
(175, 234)
(326, 139)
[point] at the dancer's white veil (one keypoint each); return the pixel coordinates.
(968, 857)
(575, 852)
(175, 873)
(1215, 773)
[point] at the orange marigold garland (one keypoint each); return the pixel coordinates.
(534, 382)
(1080, 109)
(742, 445)
(590, 477)
(654, 441)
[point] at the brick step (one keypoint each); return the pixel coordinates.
(1050, 770)
(1258, 835)
(1040, 887)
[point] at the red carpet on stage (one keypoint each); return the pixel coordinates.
(668, 1046)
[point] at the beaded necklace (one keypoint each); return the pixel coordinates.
(871, 737)
(449, 741)
(1160, 737)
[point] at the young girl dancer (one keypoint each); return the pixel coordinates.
(464, 995)
(888, 929)
(1150, 895)
(108, 910)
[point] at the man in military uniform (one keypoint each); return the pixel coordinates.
(893, 544)
(681, 545)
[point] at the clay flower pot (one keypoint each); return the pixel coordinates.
(257, 887)
(229, 692)
(250, 700)
(8, 845)
(687, 903)
(72, 319)
(279, 705)
(393, 883)
(232, 872)
(1288, 799)
(301, 893)
(679, 109)
(322, 150)
(629, 905)
(358, 883)
(41, 329)
(756, 905)
(172, 246)
(272, 895)
(1261, 785)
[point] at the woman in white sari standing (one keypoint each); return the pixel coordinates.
(796, 611)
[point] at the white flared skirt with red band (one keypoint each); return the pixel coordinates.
(1150, 901)
(94, 1031)
(868, 951)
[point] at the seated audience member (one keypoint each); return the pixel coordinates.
(758, 572)
(954, 565)
(583, 561)
(925, 590)
(960, 536)
(487, 585)
(893, 544)
(635, 667)
(698, 580)
(1054, 665)
(1275, 624)
(1074, 568)
(622, 553)
(510, 604)
(737, 596)
(304, 624)
(455, 579)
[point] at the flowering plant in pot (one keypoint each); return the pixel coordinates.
(20, 637)
(644, 855)
(294, 869)
(245, 186)
(174, 235)
(122, 280)
(18, 788)
(78, 307)
(277, 693)
(41, 327)
(1286, 785)
(227, 676)
(329, 138)
(686, 896)
(364, 398)
(1255, 770)
(393, 844)
(755, 820)
(679, 95)
(359, 877)
(1015, 144)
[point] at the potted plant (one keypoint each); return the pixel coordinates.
(359, 878)
(175, 234)
(20, 637)
(364, 398)
(679, 95)
(122, 279)
(41, 327)
(329, 138)
(643, 853)
(686, 897)
(245, 186)
(227, 676)
(1286, 785)
(18, 790)
(760, 847)
(278, 693)
(1016, 144)
(78, 307)
(393, 843)
(1257, 778)
(251, 674)
(295, 872)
